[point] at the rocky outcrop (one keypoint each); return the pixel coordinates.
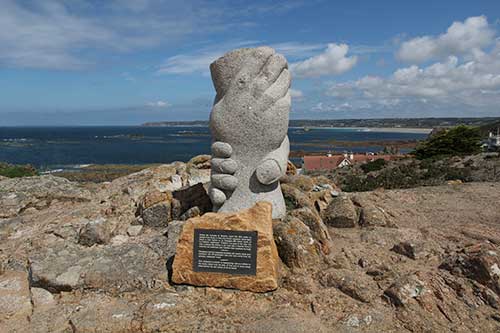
(358, 286)
(405, 289)
(15, 298)
(479, 262)
(340, 213)
(66, 267)
(365, 279)
(20, 194)
(296, 245)
(286, 321)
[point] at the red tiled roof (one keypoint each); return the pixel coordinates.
(322, 162)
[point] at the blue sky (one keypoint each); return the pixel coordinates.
(77, 62)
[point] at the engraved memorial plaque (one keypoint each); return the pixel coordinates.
(225, 251)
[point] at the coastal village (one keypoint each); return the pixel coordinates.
(333, 161)
(330, 161)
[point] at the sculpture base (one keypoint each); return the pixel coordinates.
(229, 250)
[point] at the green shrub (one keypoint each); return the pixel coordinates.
(376, 165)
(13, 171)
(405, 175)
(460, 140)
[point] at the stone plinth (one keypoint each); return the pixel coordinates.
(258, 218)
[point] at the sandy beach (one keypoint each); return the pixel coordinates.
(380, 129)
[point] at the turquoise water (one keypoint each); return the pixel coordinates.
(54, 147)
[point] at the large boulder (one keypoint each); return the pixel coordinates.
(199, 162)
(193, 196)
(303, 183)
(318, 229)
(340, 213)
(295, 198)
(371, 215)
(198, 170)
(296, 246)
(155, 208)
(95, 232)
(321, 197)
(157, 215)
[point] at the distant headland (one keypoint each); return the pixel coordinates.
(386, 123)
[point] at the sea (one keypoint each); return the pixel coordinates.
(56, 148)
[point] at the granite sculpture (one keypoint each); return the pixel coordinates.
(249, 124)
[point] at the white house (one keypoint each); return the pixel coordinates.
(494, 141)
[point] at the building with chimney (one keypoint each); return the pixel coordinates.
(330, 162)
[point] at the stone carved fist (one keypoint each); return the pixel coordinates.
(249, 122)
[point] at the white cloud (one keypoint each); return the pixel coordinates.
(158, 104)
(42, 38)
(297, 49)
(296, 94)
(332, 61)
(461, 38)
(61, 34)
(189, 63)
(199, 62)
(55, 34)
(447, 84)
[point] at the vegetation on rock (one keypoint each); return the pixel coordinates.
(14, 171)
(411, 172)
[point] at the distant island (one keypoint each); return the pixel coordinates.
(372, 123)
